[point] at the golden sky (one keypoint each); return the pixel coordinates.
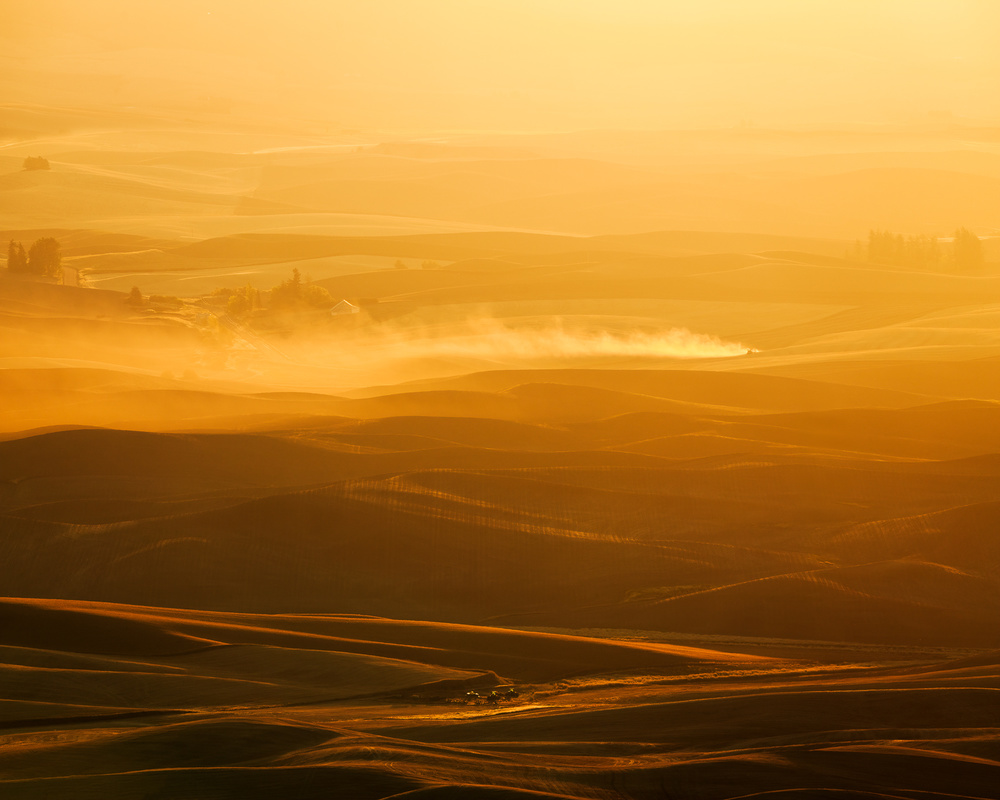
(521, 64)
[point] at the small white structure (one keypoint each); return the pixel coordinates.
(343, 307)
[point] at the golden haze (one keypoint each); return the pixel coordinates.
(484, 398)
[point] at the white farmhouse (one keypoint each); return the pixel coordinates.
(343, 307)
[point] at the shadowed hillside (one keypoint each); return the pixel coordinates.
(442, 400)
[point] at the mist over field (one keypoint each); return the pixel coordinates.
(486, 339)
(488, 343)
(500, 399)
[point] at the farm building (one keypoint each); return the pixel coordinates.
(343, 307)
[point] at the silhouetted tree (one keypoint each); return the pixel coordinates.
(135, 297)
(293, 295)
(252, 295)
(36, 162)
(287, 295)
(317, 297)
(242, 301)
(967, 251)
(399, 264)
(885, 247)
(880, 246)
(44, 257)
(922, 251)
(17, 259)
(237, 305)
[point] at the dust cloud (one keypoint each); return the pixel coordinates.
(497, 340)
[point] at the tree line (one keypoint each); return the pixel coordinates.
(294, 295)
(886, 247)
(43, 258)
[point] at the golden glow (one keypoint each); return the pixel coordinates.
(498, 64)
(385, 328)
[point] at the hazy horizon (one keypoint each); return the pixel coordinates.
(500, 399)
(548, 65)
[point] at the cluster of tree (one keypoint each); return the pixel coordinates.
(243, 301)
(36, 162)
(17, 258)
(43, 258)
(295, 295)
(886, 247)
(967, 251)
(136, 299)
